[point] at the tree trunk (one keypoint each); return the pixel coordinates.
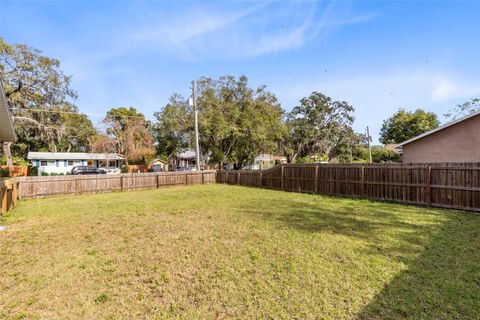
(8, 153)
(294, 158)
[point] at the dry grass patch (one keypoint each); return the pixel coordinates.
(218, 251)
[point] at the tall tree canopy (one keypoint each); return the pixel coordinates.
(236, 122)
(42, 100)
(174, 126)
(131, 134)
(405, 125)
(317, 126)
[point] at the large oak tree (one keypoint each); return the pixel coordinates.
(41, 98)
(318, 126)
(236, 122)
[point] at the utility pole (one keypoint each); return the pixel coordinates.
(369, 146)
(195, 113)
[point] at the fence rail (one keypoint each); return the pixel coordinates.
(443, 185)
(33, 187)
(455, 186)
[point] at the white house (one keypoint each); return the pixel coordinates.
(63, 162)
(265, 161)
(186, 158)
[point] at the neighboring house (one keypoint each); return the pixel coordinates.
(7, 133)
(457, 141)
(63, 162)
(186, 158)
(159, 165)
(265, 161)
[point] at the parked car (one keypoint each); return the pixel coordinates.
(252, 167)
(87, 170)
(183, 169)
(155, 168)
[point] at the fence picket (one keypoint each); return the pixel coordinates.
(444, 185)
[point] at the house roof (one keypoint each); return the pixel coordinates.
(7, 133)
(73, 156)
(159, 160)
(423, 135)
(269, 157)
(186, 154)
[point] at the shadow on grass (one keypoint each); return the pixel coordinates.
(441, 251)
(373, 222)
(443, 282)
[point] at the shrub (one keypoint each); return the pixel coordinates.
(45, 174)
(17, 161)
(4, 173)
(32, 171)
(381, 155)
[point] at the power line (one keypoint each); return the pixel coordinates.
(79, 113)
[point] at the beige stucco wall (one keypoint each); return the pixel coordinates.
(457, 143)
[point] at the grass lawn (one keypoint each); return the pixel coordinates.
(216, 251)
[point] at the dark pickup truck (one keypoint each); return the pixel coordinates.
(87, 170)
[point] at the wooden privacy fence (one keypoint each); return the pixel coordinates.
(455, 186)
(8, 194)
(448, 185)
(32, 187)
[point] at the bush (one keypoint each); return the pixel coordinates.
(17, 161)
(381, 155)
(4, 173)
(45, 174)
(32, 171)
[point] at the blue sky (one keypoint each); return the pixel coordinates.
(377, 55)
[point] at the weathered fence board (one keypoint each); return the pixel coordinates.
(32, 187)
(8, 195)
(443, 185)
(452, 185)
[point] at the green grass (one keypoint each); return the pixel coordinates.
(216, 251)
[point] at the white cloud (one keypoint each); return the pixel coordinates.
(253, 31)
(449, 88)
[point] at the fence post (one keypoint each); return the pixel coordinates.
(238, 177)
(261, 180)
(362, 182)
(186, 179)
(14, 194)
(282, 178)
(226, 179)
(121, 182)
(156, 180)
(203, 178)
(3, 205)
(428, 197)
(316, 179)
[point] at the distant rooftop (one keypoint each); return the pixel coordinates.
(73, 156)
(190, 153)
